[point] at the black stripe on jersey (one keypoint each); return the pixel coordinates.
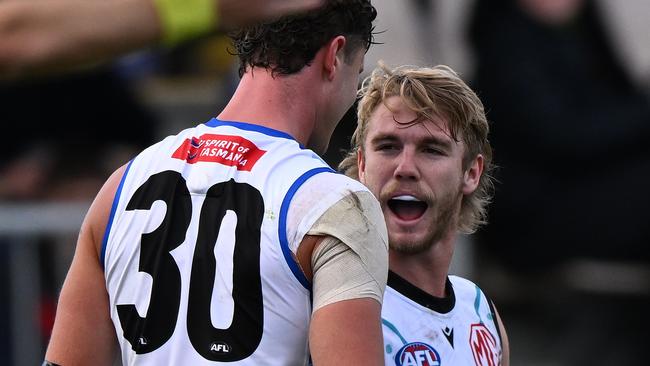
(494, 317)
(440, 305)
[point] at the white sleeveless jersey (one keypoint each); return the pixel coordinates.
(199, 249)
(423, 330)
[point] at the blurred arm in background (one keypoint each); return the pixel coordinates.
(52, 36)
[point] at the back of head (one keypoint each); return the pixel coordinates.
(431, 92)
(286, 45)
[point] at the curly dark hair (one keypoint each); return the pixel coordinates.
(289, 43)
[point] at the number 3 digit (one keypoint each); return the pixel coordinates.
(147, 334)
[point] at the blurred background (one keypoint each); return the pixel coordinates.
(566, 85)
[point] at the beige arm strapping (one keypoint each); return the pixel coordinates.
(352, 261)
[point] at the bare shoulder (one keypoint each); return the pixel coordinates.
(100, 210)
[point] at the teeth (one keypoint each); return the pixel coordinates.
(406, 198)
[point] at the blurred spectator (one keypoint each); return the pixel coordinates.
(571, 135)
(68, 127)
(67, 135)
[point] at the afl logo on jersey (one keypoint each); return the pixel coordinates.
(484, 346)
(417, 354)
(220, 347)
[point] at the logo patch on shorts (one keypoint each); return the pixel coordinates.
(417, 354)
(223, 149)
(483, 345)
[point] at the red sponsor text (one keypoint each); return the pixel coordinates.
(223, 149)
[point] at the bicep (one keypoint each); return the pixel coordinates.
(351, 261)
(347, 333)
(83, 332)
(341, 274)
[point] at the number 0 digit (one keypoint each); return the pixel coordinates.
(245, 332)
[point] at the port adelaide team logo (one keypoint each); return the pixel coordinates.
(417, 354)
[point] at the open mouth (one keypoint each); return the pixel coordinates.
(407, 207)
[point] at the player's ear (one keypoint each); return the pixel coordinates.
(333, 56)
(472, 175)
(361, 165)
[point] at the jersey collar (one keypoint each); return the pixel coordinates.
(441, 305)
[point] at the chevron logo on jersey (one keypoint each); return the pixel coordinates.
(417, 354)
(483, 345)
(223, 149)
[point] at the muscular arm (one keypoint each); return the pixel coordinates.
(83, 333)
(50, 36)
(349, 262)
(346, 332)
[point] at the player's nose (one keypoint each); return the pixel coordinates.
(406, 167)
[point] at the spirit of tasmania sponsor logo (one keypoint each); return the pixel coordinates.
(223, 149)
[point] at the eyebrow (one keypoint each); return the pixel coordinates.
(385, 137)
(429, 140)
(434, 140)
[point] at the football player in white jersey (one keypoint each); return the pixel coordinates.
(421, 147)
(225, 244)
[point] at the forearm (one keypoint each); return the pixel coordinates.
(58, 35)
(50, 36)
(347, 333)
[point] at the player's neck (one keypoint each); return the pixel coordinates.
(428, 270)
(283, 103)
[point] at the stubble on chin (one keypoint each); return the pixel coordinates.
(410, 246)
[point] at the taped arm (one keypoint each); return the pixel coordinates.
(350, 268)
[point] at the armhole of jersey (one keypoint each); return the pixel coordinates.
(116, 199)
(393, 329)
(494, 317)
(282, 227)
